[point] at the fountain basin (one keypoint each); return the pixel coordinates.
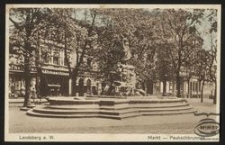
(108, 107)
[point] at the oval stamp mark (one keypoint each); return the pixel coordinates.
(207, 127)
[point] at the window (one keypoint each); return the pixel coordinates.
(56, 58)
(45, 57)
(46, 54)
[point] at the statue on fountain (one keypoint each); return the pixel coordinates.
(123, 79)
(125, 84)
(125, 50)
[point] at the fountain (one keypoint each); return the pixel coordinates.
(119, 99)
(122, 80)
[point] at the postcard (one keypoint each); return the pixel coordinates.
(112, 72)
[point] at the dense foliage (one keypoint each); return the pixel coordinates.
(164, 43)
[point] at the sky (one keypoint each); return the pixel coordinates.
(204, 31)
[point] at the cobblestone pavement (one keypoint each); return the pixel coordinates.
(19, 122)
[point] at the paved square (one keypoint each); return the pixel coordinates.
(19, 122)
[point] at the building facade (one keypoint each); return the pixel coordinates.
(56, 80)
(55, 74)
(191, 88)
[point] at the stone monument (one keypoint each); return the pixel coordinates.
(124, 84)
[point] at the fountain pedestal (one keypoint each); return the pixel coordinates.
(68, 107)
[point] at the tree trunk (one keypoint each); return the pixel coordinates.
(164, 88)
(146, 88)
(202, 90)
(43, 86)
(197, 88)
(39, 73)
(27, 47)
(38, 66)
(74, 86)
(173, 88)
(215, 93)
(188, 93)
(27, 82)
(178, 84)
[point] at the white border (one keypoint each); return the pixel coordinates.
(164, 6)
(107, 137)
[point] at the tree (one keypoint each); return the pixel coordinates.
(163, 66)
(26, 22)
(212, 18)
(135, 25)
(202, 68)
(189, 63)
(176, 28)
(77, 37)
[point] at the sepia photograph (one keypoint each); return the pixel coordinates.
(109, 72)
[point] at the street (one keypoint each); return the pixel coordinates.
(19, 122)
